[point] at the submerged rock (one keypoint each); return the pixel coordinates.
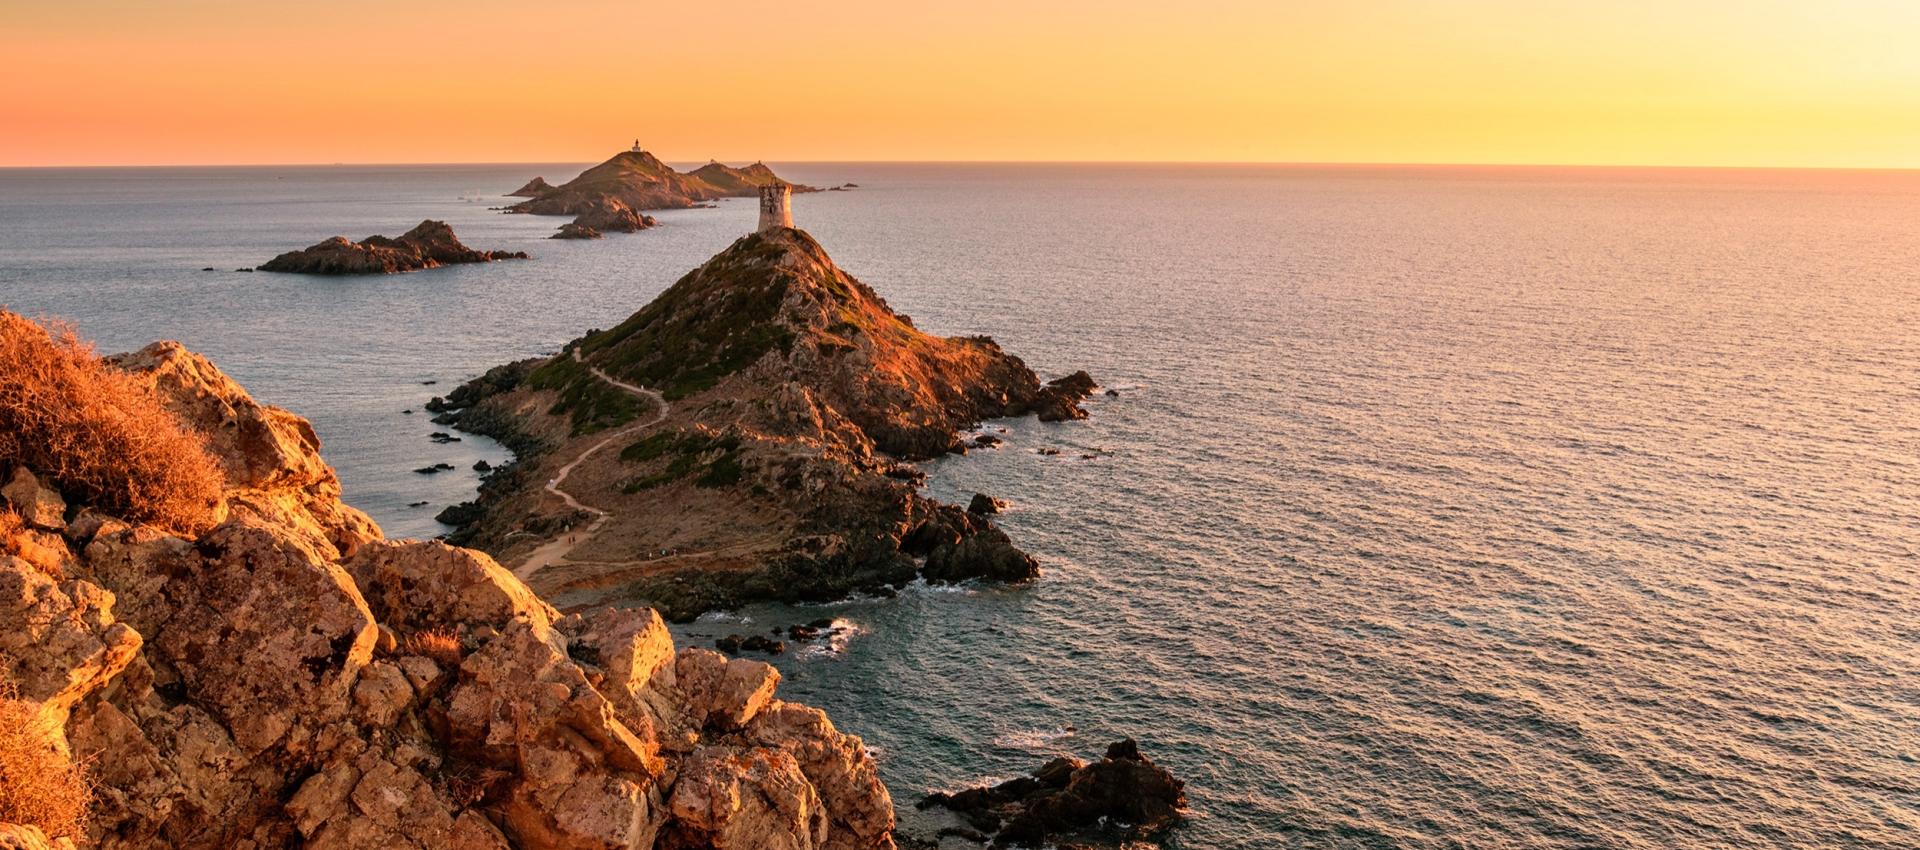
(431, 244)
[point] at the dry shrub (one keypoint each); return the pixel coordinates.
(96, 433)
(38, 786)
(441, 643)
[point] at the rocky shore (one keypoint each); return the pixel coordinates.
(277, 674)
(430, 244)
(745, 436)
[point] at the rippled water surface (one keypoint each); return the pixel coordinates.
(1491, 508)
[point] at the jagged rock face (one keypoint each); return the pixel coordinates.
(271, 458)
(261, 686)
(790, 384)
(430, 244)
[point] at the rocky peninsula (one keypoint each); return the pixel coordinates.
(430, 244)
(747, 435)
(611, 195)
(228, 656)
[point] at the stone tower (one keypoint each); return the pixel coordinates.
(776, 207)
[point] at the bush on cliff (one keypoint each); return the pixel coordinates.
(95, 433)
(38, 785)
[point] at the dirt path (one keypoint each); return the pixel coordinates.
(556, 550)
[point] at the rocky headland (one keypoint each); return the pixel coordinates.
(610, 196)
(231, 657)
(431, 244)
(747, 435)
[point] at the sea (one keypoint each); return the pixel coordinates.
(1438, 507)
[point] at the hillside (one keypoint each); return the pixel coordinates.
(282, 676)
(743, 437)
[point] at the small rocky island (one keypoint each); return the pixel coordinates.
(609, 197)
(747, 435)
(431, 244)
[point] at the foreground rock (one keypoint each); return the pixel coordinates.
(429, 245)
(291, 679)
(1120, 799)
(794, 392)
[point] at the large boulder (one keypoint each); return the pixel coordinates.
(271, 458)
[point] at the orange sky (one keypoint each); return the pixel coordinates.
(1658, 82)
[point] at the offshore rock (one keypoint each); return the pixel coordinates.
(1121, 799)
(575, 230)
(430, 244)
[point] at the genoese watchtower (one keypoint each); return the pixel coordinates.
(776, 207)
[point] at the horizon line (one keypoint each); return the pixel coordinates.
(1141, 162)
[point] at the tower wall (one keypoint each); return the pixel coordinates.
(776, 207)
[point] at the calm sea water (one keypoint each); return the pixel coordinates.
(1489, 508)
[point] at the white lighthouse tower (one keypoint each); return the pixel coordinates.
(776, 207)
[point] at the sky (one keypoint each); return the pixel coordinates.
(1833, 83)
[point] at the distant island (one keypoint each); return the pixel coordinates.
(430, 244)
(611, 195)
(744, 437)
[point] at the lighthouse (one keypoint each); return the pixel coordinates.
(776, 207)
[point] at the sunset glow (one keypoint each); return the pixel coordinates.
(1696, 82)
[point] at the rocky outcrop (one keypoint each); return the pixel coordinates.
(612, 217)
(575, 230)
(291, 679)
(1120, 800)
(532, 189)
(270, 457)
(794, 393)
(431, 244)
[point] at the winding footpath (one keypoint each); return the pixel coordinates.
(556, 550)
